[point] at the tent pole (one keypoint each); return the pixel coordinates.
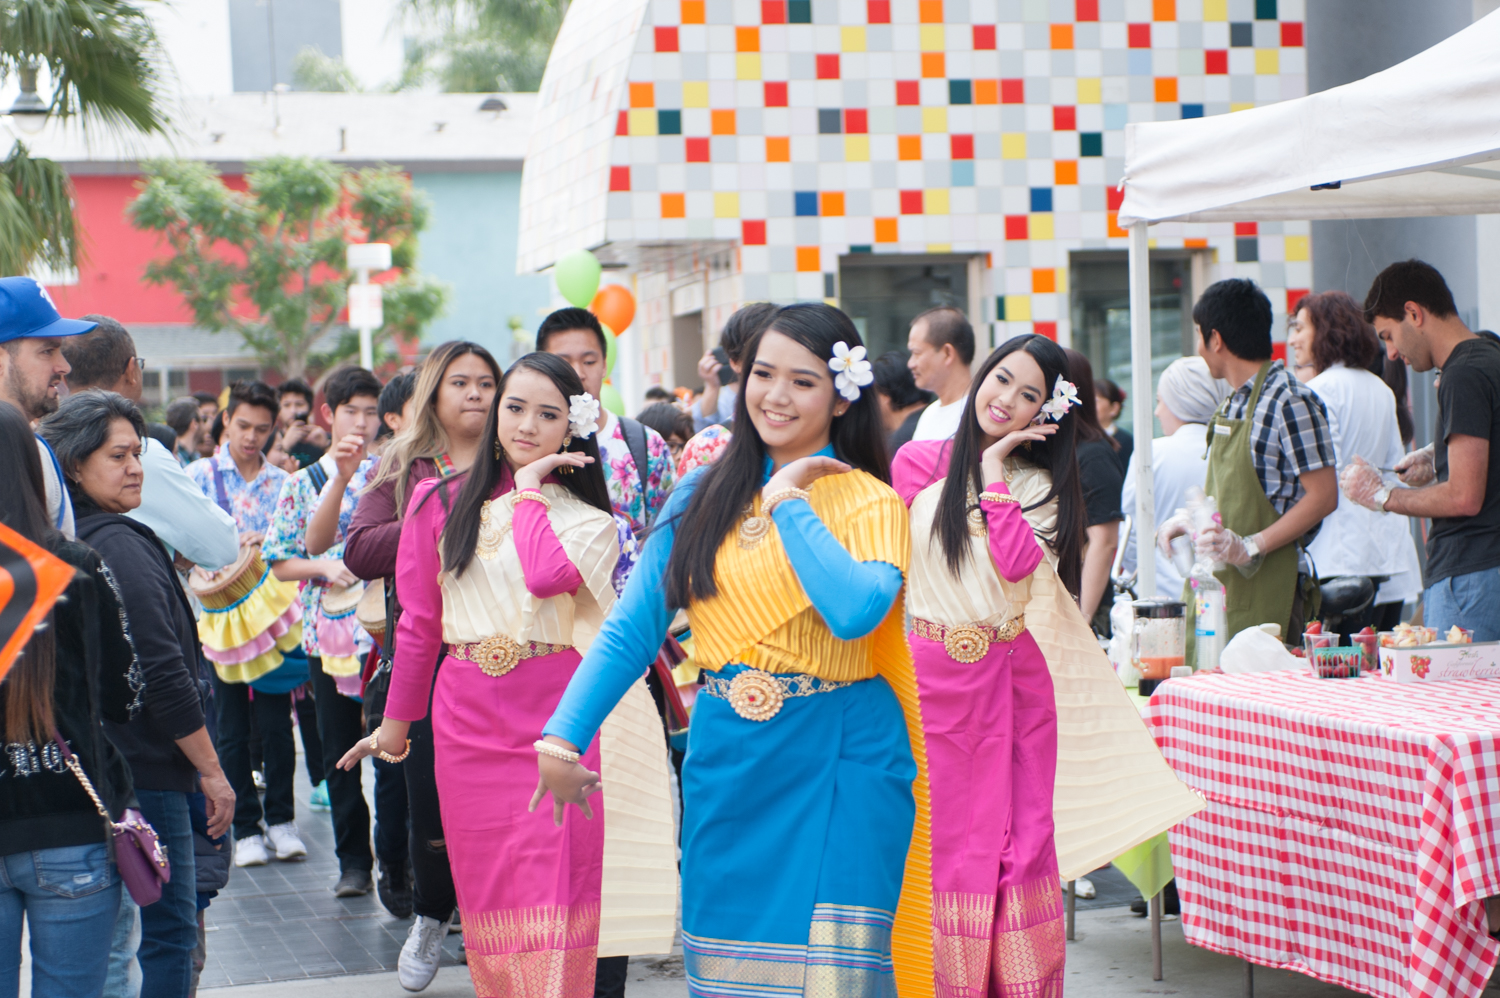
(1143, 404)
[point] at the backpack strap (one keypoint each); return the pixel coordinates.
(635, 439)
(317, 476)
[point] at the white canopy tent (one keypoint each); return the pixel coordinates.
(1420, 138)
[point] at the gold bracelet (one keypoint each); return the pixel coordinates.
(770, 502)
(386, 756)
(534, 495)
(998, 497)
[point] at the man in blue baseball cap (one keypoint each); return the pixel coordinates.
(32, 369)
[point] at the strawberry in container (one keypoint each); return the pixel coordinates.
(1315, 637)
(1367, 641)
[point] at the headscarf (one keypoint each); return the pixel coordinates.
(1190, 391)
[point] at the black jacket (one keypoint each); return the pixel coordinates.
(42, 805)
(166, 645)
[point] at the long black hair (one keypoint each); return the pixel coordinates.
(28, 687)
(729, 485)
(587, 483)
(1057, 454)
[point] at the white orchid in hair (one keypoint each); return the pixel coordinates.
(850, 369)
(1064, 397)
(583, 415)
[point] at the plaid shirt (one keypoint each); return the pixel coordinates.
(1289, 434)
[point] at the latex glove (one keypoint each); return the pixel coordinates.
(1417, 468)
(1172, 527)
(1224, 545)
(1362, 484)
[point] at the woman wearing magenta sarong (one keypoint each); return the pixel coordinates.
(511, 578)
(988, 541)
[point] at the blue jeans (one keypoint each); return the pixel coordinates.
(1471, 601)
(169, 928)
(69, 897)
(124, 969)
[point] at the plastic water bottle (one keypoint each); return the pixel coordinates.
(1211, 620)
(1182, 548)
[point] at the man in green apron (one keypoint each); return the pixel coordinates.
(1270, 463)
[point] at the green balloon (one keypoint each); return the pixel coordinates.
(611, 352)
(609, 396)
(577, 276)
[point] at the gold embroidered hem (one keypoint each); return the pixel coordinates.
(1030, 942)
(548, 951)
(847, 956)
(963, 927)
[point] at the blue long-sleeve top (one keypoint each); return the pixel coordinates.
(852, 597)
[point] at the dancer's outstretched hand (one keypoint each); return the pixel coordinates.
(568, 782)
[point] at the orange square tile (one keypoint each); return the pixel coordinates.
(1166, 89)
(1163, 10)
(721, 122)
(1043, 280)
(674, 206)
(747, 39)
(809, 258)
(1114, 224)
(1062, 36)
(986, 91)
(908, 147)
(692, 11)
(832, 203)
(930, 11)
(643, 95)
(1195, 244)
(934, 65)
(885, 230)
(778, 149)
(1065, 171)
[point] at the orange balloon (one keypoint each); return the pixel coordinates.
(615, 307)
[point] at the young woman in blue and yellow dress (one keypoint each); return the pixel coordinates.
(788, 555)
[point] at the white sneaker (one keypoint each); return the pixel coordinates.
(1083, 888)
(421, 953)
(251, 851)
(286, 842)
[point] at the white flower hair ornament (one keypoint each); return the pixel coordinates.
(583, 415)
(1064, 397)
(850, 369)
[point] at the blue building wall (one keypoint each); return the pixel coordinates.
(471, 244)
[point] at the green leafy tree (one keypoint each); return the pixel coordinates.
(481, 46)
(268, 263)
(100, 59)
(314, 71)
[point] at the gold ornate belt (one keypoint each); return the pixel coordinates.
(501, 653)
(968, 643)
(758, 696)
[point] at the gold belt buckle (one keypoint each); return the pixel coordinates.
(755, 695)
(967, 644)
(495, 655)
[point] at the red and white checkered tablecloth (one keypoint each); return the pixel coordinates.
(1351, 827)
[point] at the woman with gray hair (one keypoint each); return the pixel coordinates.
(97, 438)
(1187, 396)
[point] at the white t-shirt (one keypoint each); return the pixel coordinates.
(59, 505)
(938, 421)
(1177, 465)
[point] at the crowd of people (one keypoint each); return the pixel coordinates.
(884, 573)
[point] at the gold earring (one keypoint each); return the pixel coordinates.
(499, 452)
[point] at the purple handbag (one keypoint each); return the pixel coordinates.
(139, 857)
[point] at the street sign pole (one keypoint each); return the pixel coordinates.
(365, 312)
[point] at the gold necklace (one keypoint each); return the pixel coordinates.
(977, 525)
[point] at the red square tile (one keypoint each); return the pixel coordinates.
(1139, 35)
(828, 67)
(1013, 91)
(666, 39)
(622, 123)
(908, 92)
(1016, 227)
(878, 11)
(619, 178)
(856, 120)
(697, 150)
(772, 12)
(1047, 329)
(1246, 228)
(753, 231)
(911, 202)
(1086, 10)
(1216, 61)
(1114, 197)
(1293, 296)
(961, 146)
(1291, 34)
(1065, 119)
(775, 93)
(984, 36)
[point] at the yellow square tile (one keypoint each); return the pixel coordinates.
(642, 122)
(857, 148)
(852, 38)
(934, 119)
(1241, 106)
(747, 66)
(1267, 62)
(1089, 90)
(1297, 248)
(1216, 10)
(694, 94)
(1041, 225)
(940, 247)
(930, 38)
(1017, 308)
(1012, 145)
(726, 204)
(935, 201)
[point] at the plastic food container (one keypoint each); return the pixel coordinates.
(1321, 639)
(1342, 662)
(1368, 644)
